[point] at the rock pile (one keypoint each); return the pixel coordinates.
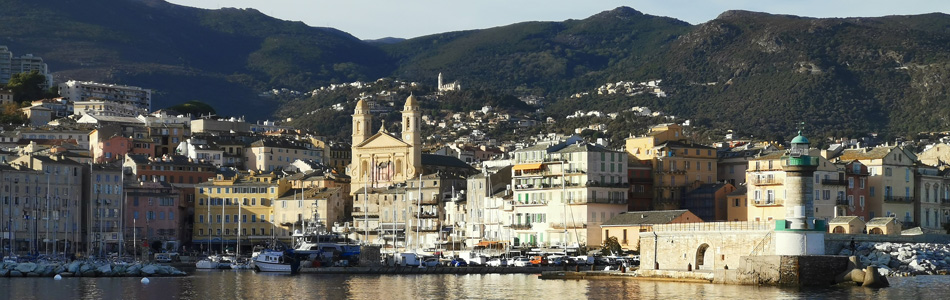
(903, 259)
(86, 269)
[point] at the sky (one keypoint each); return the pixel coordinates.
(374, 19)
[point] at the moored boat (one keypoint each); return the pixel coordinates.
(273, 261)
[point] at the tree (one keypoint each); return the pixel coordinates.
(612, 246)
(28, 86)
(10, 113)
(194, 107)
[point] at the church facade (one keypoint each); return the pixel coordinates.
(382, 159)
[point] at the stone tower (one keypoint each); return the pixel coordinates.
(799, 233)
(362, 124)
(411, 134)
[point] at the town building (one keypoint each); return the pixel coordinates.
(154, 212)
(677, 165)
(235, 200)
(10, 64)
(627, 226)
(80, 91)
(562, 193)
(311, 208)
(891, 181)
(276, 153)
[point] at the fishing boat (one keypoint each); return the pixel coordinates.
(274, 261)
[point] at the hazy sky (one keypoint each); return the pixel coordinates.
(373, 19)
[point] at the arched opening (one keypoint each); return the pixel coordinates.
(838, 229)
(701, 255)
(876, 230)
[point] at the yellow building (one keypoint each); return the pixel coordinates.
(766, 190)
(891, 180)
(237, 200)
(677, 164)
(299, 208)
(626, 227)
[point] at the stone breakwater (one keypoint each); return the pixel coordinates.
(903, 259)
(86, 269)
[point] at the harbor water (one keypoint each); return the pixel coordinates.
(250, 285)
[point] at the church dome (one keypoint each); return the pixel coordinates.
(411, 101)
(362, 106)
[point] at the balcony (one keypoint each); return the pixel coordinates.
(766, 181)
(606, 201)
(842, 202)
(674, 171)
(360, 214)
(430, 201)
(568, 226)
(767, 202)
(426, 215)
(424, 228)
(834, 182)
(893, 199)
(521, 226)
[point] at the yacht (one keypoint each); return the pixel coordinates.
(326, 247)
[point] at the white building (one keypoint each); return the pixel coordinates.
(562, 193)
(10, 65)
(78, 91)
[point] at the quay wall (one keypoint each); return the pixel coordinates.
(431, 270)
(704, 246)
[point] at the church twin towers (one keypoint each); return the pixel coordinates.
(382, 159)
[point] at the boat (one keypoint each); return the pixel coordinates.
(207, 263)
(326, 246)
(273, 261)
(242, 264)
(213, 262)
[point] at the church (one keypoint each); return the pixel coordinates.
(396, 188)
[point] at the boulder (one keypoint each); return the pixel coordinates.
(916, 267)
(4, 272)
(105, 270)
(73, 267)
(26, 267)
(874, 279)
(856, 275)
(16, 273)
(149, 270)
(133, 270)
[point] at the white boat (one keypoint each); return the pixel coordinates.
(213, 262)
(206, 263)
(242, 264)
(272, 261)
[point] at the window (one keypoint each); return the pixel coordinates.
(850, 183)
(861, 199)
(862, 183)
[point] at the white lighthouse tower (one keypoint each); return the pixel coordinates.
(799, 233)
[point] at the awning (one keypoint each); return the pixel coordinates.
(536, 166)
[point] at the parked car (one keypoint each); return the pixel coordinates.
(563, 261)
(458, 262)
(430, 262)
(538, 261)
(498, 262)
(522, 262)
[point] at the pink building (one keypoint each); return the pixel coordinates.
(154, 211)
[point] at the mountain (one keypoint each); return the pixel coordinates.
(756, 73)
(223, 57)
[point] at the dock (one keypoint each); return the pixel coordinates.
(382, 270)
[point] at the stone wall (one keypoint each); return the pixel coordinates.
(809, 270)
(679, 250)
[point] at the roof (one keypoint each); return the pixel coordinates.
(862, 154)
(677, 144)
(770, 156)
(800, 139)
(442, 160)
(707, 188)
(740, 191)
(842, 219)
(646, 217)
(881, 221)
(584, 147)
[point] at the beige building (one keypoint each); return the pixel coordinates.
(846, 225)
(309, 207)
(891, 181)
(766, 190)
(677, 165)
(626, 227)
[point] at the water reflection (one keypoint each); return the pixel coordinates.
(205, 285)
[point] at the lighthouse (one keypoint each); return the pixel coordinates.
(799, 233)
